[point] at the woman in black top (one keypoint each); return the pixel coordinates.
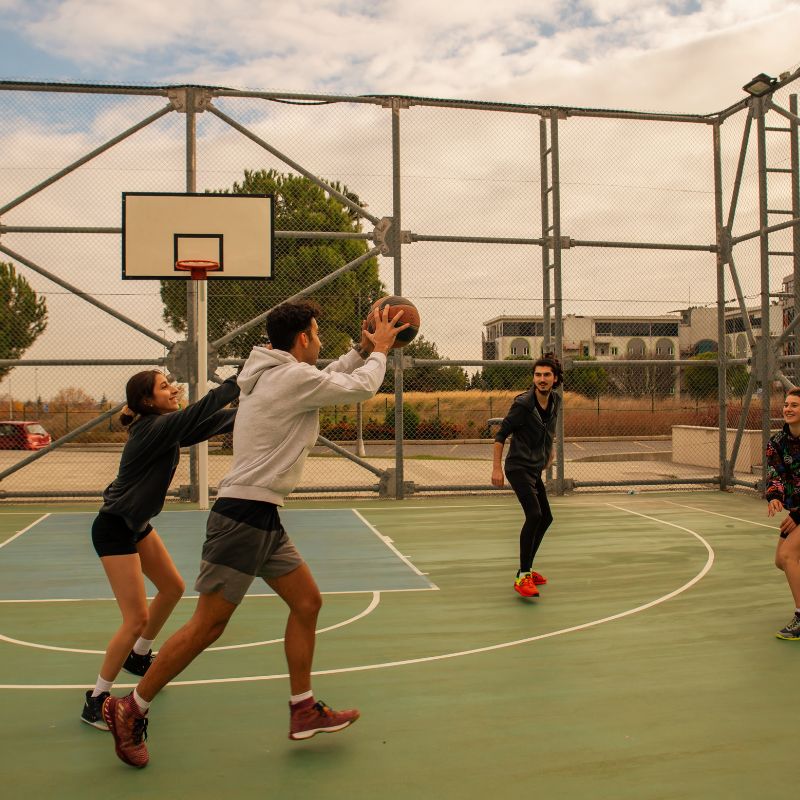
(532, 421)
(127, 544)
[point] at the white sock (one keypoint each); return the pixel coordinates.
(101, 686)
(143, 704)
(298, 698)
(143, 646)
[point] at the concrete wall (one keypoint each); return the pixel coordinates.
(693, 444)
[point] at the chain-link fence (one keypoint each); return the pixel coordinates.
(655, 254)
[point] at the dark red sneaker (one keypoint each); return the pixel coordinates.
(128, 726)
(309, 718)
(538, 579)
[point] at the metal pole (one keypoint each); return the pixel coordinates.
(198, 455)
(398, 290)
(557, 298)
(722, 349)
(759, 109)
(544, 174)
(794, 145)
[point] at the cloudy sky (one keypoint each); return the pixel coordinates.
(687, 56)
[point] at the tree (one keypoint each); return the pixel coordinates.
(588, 381)
(299, 205)
(701, 381)
(642, 380)
(23, 315)
(72, 398)
(494, 378)
(426, 379)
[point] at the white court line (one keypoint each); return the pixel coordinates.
(394, 509)
(425, 659)
(194, 596)
(388, 542)
(726, 516)
(376, 598)
(24, 530)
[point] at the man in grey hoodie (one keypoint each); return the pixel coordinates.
(277, 423)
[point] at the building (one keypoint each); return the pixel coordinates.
(680, 335)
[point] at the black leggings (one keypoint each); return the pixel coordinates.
(532, 496)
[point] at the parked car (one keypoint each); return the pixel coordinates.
(23, 435)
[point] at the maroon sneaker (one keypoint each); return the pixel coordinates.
(128, 726)
(309, 718)
(538, 579)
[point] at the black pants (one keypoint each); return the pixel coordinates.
(532, 496)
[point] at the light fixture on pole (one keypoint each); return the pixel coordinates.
(760, 85)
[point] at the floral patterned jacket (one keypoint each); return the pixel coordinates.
(783, 471)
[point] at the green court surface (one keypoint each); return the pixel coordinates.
(647, 669)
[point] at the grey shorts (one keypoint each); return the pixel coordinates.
(244, 541)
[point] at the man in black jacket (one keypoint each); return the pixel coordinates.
(532, 421)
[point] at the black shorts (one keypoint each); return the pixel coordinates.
(112, 537)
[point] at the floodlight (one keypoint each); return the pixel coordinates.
(760, 85)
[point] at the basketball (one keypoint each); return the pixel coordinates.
(410, 315)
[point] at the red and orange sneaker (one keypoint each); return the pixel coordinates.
(128, 726)
(538, 579)
(525, 586)
(308, 718)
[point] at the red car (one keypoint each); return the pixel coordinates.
(22, 435)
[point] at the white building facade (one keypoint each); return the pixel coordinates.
(680, 335)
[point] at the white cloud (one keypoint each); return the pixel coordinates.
(464, 172)
(414, 47)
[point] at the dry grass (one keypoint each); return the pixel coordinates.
(608, 416)
(470, 411)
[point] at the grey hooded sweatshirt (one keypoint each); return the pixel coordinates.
(278, 417)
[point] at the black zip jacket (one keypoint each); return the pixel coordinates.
(152, 453)
(532, 439)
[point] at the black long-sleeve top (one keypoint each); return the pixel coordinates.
(532, 438)
(152, 453)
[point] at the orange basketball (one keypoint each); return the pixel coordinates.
(410, 315)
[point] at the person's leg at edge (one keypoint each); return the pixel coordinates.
(207, 624)
(787, 558)
(158, 566)
(299, 591)
(127, 582)
(126, 717)
(525, 488)
(546, 518)
(307, 716)
(124, 574)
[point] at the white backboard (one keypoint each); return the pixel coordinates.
(235, 230)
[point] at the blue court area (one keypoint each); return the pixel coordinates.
(54, 559)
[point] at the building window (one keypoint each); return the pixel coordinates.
(520, 347)
(614, 351)
(636, 348)
(664, 348)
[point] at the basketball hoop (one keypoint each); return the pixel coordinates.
(198, 267)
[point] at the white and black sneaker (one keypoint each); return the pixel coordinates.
(93, 710)
(792, 631)
(137, 664)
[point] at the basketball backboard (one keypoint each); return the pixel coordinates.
(160, 229)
